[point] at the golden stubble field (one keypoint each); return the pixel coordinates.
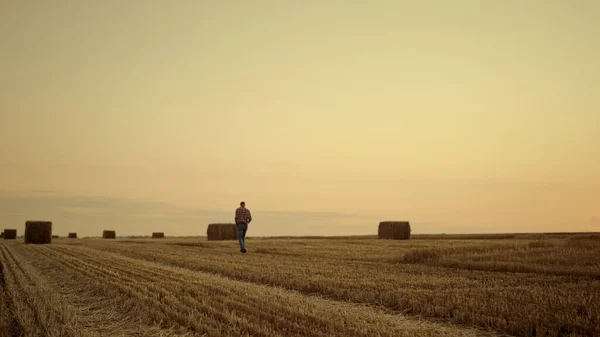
(439, 286)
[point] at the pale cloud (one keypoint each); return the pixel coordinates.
(89, 215)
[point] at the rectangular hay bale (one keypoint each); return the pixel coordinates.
(109, 234)
(221, 231)
(158, 235)
(38, 232)
(10, 234)
(394, 230)
(72, 235)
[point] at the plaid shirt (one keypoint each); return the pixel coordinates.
(242, 216)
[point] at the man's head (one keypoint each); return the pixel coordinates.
(242, 204)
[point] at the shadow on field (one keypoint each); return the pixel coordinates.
(135, 241)
(274, 252)
(192, 244)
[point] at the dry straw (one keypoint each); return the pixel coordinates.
(394, 230)
(109, 235)
(158, 235)
(72, 235)
(38, 232)
(10, 234)
(221, 231)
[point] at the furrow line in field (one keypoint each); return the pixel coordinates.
(36, 308)
(549, 305)
(189, 290)
(158, 306)
(9, 325)
(181, 308)
(119, 264)
(48, 310)
(99, 311)
(25, 314)
(20, 267)
(333, 318)
(183, 280)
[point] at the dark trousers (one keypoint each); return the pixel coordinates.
(241, 235)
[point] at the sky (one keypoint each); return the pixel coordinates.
(326, 117)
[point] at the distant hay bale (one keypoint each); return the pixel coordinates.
(72, 235)
(158, 235)
(55, 236)
(394, 230)
(10, 234)
(38, 232)
(221, 231)
(109, 235)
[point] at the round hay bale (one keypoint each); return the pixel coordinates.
(394, 230)
(158, 235)
(109, 234)
(38, 232)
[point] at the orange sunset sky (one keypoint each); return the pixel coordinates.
(326, 117)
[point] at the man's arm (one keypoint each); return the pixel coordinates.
(249, 216)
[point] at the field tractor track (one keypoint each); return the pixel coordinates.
(9, 326)
(141, 282)
(206, 304)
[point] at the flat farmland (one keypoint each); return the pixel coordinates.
(302, 287)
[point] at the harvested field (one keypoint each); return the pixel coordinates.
(309, 287)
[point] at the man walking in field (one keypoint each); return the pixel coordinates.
(242, 219)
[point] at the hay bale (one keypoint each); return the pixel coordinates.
(38, 232)
(72, 235)
(394, 230)
(158, 235)
(55, 236)
(221, 231)
(109, 235)
(2, 235)
(10, 234)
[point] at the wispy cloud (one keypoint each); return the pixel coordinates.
(89, 215)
